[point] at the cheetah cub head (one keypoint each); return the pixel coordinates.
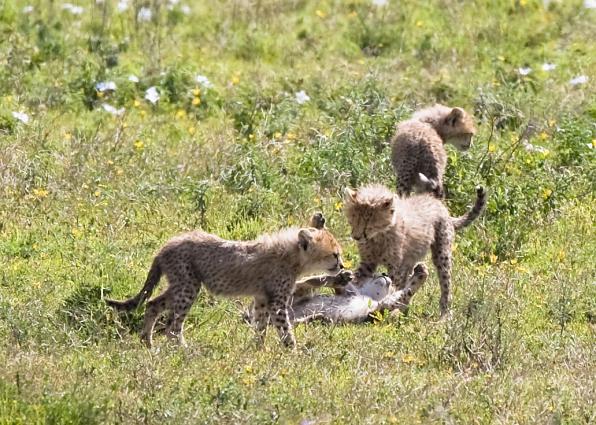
(319, 250)
(458, 128)
(454, 125)
(369, 211)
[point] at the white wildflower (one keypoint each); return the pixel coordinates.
(28, 9)
(21, 116)
(122, 6)
(590, 4)
(380, 3)
(75, 10)
(185, 9)
(204, 81)
(105, 86)
(548, 66)
(301, 97)
(524, 70)
(590, 145)
(152, 95)
(109, 108)
(144, 14)
(133, 78)
(533, 148)
(580, 79)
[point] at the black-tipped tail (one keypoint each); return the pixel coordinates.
(150, 284)
(475, 211)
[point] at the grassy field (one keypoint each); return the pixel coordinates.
(295, 101)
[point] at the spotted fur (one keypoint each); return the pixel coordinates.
(417, 152)
(266, 269)
(398, 232)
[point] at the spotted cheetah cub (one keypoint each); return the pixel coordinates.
(398, 232)
(266, 269)
(417, 152)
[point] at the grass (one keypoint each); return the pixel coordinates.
(87, 197)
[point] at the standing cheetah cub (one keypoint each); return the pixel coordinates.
(417, 152)
(398, 232)
(266, 268)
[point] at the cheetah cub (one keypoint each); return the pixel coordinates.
(397, 232)
(266, 269)
(417, 152)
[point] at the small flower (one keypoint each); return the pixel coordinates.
(348, 264)
(513, 261)
(28, 9)
(203, 81)
(67, 137)
(75, 10)
(492, 147)
(110, 109)
(338, 206)
(524, 70)
(103, 86)
(235, 80)
(185, 9)
(145, 14)
(501, 58)
(561, 255)
(546, 193)
(320, 14)
(136, 103)
(380, 3)
(139, 145)
(419, 24)
(277, 135)
(21, 116)
(96, 193)
(301, 97)
(408, 358)
(548, 66)
(590, 4)
(492, 258)
(196, 101)
(543, 136)
(196, 91)
(180, 113)
(192, 130)
(122, 6)
(133, 78)
(580, 79)
(591, 145)
(40, 193)
(152, 95)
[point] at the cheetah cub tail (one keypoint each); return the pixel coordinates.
(150, 284)
(475, 211)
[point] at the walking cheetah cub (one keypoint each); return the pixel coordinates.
(397, 233)
(417, 152)
(266, 268)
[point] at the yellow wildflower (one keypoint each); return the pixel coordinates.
(110, 162)
(523, 3)
(501, 58)
(40, 193)
(408, 358)
(543, 136)
(180, 113)
(546, 193)
(551, 123)
(419, 24)
(196, 92)
(235, 80)
(338, 206)
(492, 147)
(492, 258)
(67, 137)
(251, 136)
(192, 130)
(96, 193)
(277, 135)
(196, 101)
(513, 261)
(136, 103)
(139, 145)
(348, 264)
(561, 256)
(320, 13)
(361, 61)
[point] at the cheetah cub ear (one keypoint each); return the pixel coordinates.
(304, 239)
(318, 221)
(454, 116)
(349, 195)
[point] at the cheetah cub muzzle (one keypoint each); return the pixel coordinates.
(266, 269)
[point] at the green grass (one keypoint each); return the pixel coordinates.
(86, 199)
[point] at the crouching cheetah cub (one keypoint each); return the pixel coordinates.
(417, 152)
(398, 232)
(266, 268)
